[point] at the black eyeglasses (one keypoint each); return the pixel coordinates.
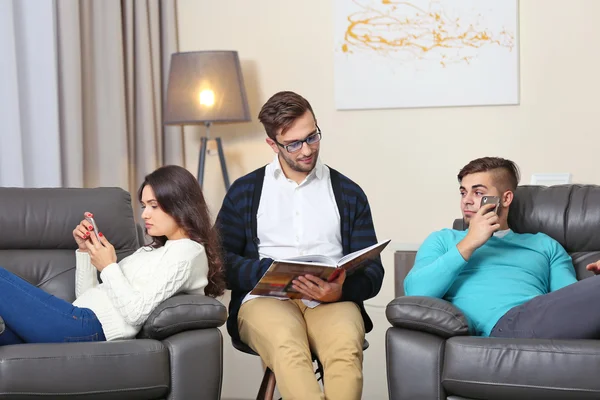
(294, 147)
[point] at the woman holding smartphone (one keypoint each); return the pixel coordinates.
(182, 258)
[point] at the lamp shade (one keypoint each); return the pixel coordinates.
(205, 86)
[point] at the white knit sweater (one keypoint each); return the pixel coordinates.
(133, 288)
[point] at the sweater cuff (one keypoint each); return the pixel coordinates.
(83, 260)
(455, 258)
(110, 272)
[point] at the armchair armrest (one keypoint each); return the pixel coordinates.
(427, 314)
(183, 313)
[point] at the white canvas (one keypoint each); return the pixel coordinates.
(425, 53)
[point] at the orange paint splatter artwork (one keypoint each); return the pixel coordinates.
(408, 32)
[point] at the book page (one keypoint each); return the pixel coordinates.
(354, 260)
(313, 258)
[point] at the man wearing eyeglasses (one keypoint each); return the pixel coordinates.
(298, 206)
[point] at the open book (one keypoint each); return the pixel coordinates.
(277, 281)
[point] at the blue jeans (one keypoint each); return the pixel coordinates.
(34, 316)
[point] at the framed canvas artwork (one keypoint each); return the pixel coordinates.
(425, 53)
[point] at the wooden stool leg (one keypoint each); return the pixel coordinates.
(267, 386)
(319, 372)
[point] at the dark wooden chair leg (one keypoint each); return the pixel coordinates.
(267, 386)
(319, 371)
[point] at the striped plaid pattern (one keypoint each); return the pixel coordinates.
(236, 222)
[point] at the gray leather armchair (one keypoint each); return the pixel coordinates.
(430, 354)
(179, 351)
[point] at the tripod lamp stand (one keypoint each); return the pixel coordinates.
(206, 87)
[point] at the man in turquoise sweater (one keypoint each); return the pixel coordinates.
(507, 284)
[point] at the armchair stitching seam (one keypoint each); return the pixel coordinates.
(527, 350)
(522, 385)
(437, 327)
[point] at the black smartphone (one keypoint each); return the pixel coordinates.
(491, 200)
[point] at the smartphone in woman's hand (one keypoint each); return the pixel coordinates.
(93, 222)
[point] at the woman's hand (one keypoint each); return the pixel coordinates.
(82, 233)
(102, 253)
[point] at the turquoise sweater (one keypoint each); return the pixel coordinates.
(503, 273)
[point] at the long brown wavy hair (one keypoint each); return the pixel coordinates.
(179, 195)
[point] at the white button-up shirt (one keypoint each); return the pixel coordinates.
(298, 219)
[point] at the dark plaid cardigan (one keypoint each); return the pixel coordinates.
(243, 269)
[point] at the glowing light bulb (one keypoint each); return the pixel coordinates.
(207, 98)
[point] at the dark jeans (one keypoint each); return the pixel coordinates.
(569, 313)
(34, 316)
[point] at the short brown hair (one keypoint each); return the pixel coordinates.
(506, 172)
(281, 110)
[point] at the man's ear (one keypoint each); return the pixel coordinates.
(273, 145)
(507, 198)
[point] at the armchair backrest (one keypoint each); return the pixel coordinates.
(570, 214)
(36, 225)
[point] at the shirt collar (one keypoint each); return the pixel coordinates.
(501, 234)
(277, 171)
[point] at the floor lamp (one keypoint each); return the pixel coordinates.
(206, 87)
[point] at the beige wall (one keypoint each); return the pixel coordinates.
(405, 159)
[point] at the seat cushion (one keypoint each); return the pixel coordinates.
(128, 369)
(494, 368)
